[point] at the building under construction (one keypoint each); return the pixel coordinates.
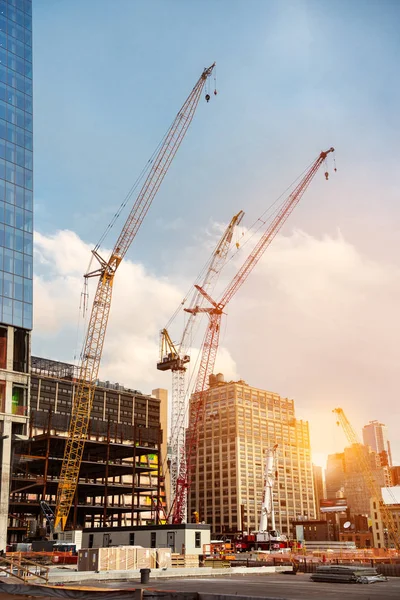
(120, 480)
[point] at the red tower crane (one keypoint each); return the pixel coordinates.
(174, 358)
(211, 340)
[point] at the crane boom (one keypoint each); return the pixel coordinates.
(94, 341)
(175, 360)
(372, 485)
(214, 269)
(276, 224)
(211, 340)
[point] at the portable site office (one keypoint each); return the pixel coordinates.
(186, 538)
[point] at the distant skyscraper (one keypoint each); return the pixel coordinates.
(375, 436)
(240, 422)
(319, 487)
(356, 489)
(334, 476)
(16, 226)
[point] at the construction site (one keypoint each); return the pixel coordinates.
(119, 481)
(94, 483)
(200, 487)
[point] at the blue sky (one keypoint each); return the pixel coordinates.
(293, 78)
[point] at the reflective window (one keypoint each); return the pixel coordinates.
(16, 163)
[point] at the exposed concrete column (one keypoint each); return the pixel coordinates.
(8, 400)
(5, 480)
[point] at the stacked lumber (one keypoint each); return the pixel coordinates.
(217, 563)
(184, 561)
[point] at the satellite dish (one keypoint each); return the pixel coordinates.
(346, 525)
(352, 526)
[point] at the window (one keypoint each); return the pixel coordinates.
(197, 539)
(132, 538)
(20, 351)
(18, 400)
(90, 544)
(2, 396)
(3, 348)
(153, 538)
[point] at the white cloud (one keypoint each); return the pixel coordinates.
(141, 305)
(316, 321)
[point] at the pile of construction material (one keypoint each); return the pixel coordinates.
(347, 574)
(123, 558)
(185, 561)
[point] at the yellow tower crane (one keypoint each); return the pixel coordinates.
(94, 341)
(372, 485)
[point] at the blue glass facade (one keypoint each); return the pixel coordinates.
(16, 163)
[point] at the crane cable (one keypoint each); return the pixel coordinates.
(251, 232)
(128, 196)
(263, 219)
(84, 296)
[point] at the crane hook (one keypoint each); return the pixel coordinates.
(208, 97)
(326, 175)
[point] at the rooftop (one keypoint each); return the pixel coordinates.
(47, 367)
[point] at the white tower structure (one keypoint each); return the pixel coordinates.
(267, 508)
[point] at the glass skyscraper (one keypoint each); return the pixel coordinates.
(16, 230)
(16, 163)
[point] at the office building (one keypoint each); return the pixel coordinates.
(395, 474)
(16, 227)
(319, 487)
(356, 489)
(345, 477)
(382, 537)
(310, 531)
(120, 481)
(375, 436)
(334, 475)
(238, 424)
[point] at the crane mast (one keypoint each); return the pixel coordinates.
(211, 340)
(174, 359)
(372, 485)
(267, 507)
(94, 341)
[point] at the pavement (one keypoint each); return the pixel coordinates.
(276, 587)
(71, 576)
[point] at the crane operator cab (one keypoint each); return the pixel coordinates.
(274, 534)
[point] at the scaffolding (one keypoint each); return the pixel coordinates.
(119, 482)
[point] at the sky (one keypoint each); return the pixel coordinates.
(317, 320)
